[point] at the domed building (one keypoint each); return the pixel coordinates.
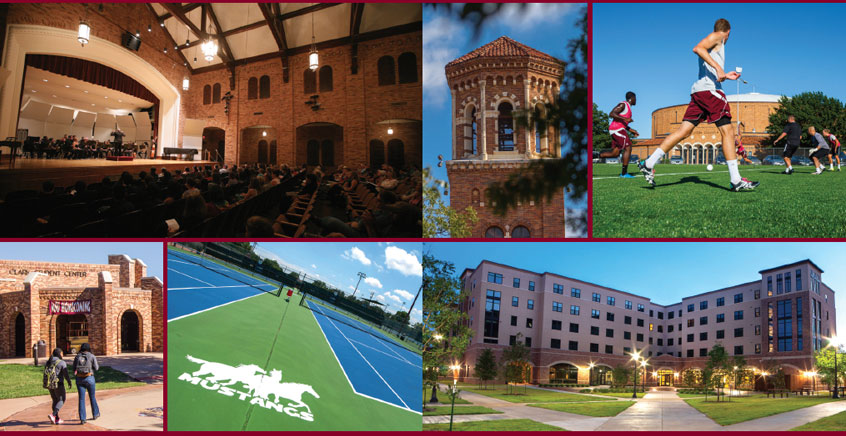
(704, 145)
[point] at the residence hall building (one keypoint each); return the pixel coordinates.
(578, 331)
(487, 86)
(115, 307)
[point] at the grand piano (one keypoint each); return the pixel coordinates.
(186, 153)
(13, 145)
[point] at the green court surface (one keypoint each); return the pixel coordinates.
(273, 334)
(691, 202)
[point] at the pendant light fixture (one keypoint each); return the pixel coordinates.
(209, 46)
(312, 55)
(84, 34)
(185, 83)
(390, 130)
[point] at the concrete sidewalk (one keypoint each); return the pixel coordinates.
(660, 411)
(789, 420)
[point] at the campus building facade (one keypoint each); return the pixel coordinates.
(487, 86)
(578, 331)
(114, 307)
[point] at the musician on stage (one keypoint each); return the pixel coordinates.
(118, 135)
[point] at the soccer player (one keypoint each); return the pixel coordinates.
(835, 149)
(792, 131)
(821, 149)
(621, 116)
(707, 102)
(739, 145)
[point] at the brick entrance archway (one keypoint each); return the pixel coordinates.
(131, 331)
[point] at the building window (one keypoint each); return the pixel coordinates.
(770, 286)
(627, 320)
(495, 278)
(594, 314)
(609, 333)
(609, 316)
(513, 320)
(799, 324)
(574, 310)
(671, 314)
(779, 284)
(530, 304)
(627, 335)
(252, 88)
(690, 353)
(574, 328)
(529, 325)
(738, 332)
(573, 346)
(595, 297)
(555, 343)
(609, 349)
(640, 322)
(650, 326)
(512, 340)
(492, 301)
(309, 81)
(494, 232)
(407, 63)
(690, 322)
(531, 286)
(787, 282)
(721, 317)
(650, 341)
(556, 325)
(264, 85)
(640, 308)
(798, 279)
(529, 342)
(703, 336)
(738, 350)
(557, 307)
(703, 305)
(515, 301)
(651, 313)
(557, 289)
(575, 293)
(721, 334)
(756, 294)
(639, 337)
(516, 283)
(670, 328)
(387, 73)
(703, 320)
(703, 352)
(594, 348)
(325, 79)
(660, 315)
(669, 342)
(757, 348)
(505, 124)
(757, 312)
(757, 330)
(690, 337)
(785, 325)
(738, 315)
(611, 301)
(690, 307)
(628, 305)
(216, 93)
(721, 301)
(594, 330)
(520, 232)
(207, 94)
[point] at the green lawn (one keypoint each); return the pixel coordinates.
(443, 398)
(748, 408)
(531, 395)
(497, 425)
(459, 410)
(604, 408)
(619, 394)
(691, 202)
(830, 423)
(26, 381)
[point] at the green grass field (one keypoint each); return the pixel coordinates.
(26, 381)
(531, 395)
(829, 423)
(748, 408)
(604, 408)
(690, 202)
(459, 410)
(497, 425)
(267, 331)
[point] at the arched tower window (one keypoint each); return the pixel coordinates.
(325, 78)
(264, 87)
(470, 130)
(207, 94)
(216, 93)
(505, 123)
(387, 71)
(494, 232)
(474, 197)
(309, 81)
(520, 232)
(252, 88)
(407, 63)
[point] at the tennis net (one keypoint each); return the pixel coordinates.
(228, 264)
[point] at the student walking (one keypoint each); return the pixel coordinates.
(55, 373)
(84, 366)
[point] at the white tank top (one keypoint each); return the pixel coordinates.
(707, 74)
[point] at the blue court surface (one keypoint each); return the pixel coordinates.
(192, 288)
(375, 368)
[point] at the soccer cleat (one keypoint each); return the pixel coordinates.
(52, 418)
(648, 174)
(60, 421)
(744, 185)
(626, 176)
(788, 171)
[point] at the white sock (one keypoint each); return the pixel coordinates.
(734, 173)
(789, 167)
(654, 158)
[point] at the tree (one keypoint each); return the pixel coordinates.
(620, 376)
(440, 220)
(518, 370)
(601, 120)
(485, 368)
(810, 109)
(719, 363)
(692, 378)
(446, 334)
(824, 362)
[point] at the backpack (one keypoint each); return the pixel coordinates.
(83, 363)
(51, 379)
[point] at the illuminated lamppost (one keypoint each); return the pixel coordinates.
(643, 385)
(834, 341)
(455, 368)
(590, 373)
(635, 358)
(735, 379)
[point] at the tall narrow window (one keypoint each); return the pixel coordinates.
(207, 94)
(252, 88)
(387, 73)
(216, 93)
(506, 127)
(407, 67)
(494, 232)
(325, 78)
(309, 81)
(264, 87)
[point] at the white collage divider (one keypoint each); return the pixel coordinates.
(193, 134)
(127, 125)
(33, 116)
(58, 122)
(104, 126)
(83, 125)
(143, 127)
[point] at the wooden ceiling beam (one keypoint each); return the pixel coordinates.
(235, 31)
(224, 44)
(172, 42)
(271, 12)
(185, 10)
(306, 10)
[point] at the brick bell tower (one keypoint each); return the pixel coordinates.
(487, 86)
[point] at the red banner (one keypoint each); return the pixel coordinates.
(59, 307)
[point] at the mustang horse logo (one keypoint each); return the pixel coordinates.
(257, 385)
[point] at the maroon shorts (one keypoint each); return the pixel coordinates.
(620, 139)
(709, 106)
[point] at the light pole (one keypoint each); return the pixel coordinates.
(643, 365)
(635, 358)
(361, 275)
(735, 380)
(835, 342)
(590, 373)
(455, 368)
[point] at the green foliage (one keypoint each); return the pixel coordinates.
(824, 362)
(515, 358)
(485, 368)
(620, 376)
(810, 109)
(692, 377)
(601, 120)
(440, 220)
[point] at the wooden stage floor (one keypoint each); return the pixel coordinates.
(32, 173)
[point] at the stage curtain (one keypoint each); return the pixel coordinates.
(91, 72)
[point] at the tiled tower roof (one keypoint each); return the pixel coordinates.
(504, 47)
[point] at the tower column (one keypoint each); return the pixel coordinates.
(483, 143)
(454, 132)
(530, 150)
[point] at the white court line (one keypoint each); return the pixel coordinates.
(210, 308)
(371, 366)
(394, 351)
(186, 275)
(389, 355)
(216, 287)
(674, 174)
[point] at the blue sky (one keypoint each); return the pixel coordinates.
(85, 252)
(393, 270)
(545, 27)
(783, 48)
(662, 271)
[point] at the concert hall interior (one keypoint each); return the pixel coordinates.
(210, 119)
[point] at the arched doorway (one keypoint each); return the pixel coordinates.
(71, 332)
(257, 145)
(273, 152)
(20, 335)
(396, 153)
(563, 373)
(262, 152)
(214, 144)
(666, 377)
(320, 144)
(130, 332)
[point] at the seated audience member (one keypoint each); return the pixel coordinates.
(259, 227)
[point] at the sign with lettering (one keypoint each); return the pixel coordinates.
(23, 272)
(60, 307)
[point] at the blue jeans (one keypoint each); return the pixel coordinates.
(83, 384)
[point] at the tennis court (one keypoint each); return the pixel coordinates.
(241, 358)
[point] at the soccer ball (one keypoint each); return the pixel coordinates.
(710, 167)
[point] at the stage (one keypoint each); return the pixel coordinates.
(31, 173)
